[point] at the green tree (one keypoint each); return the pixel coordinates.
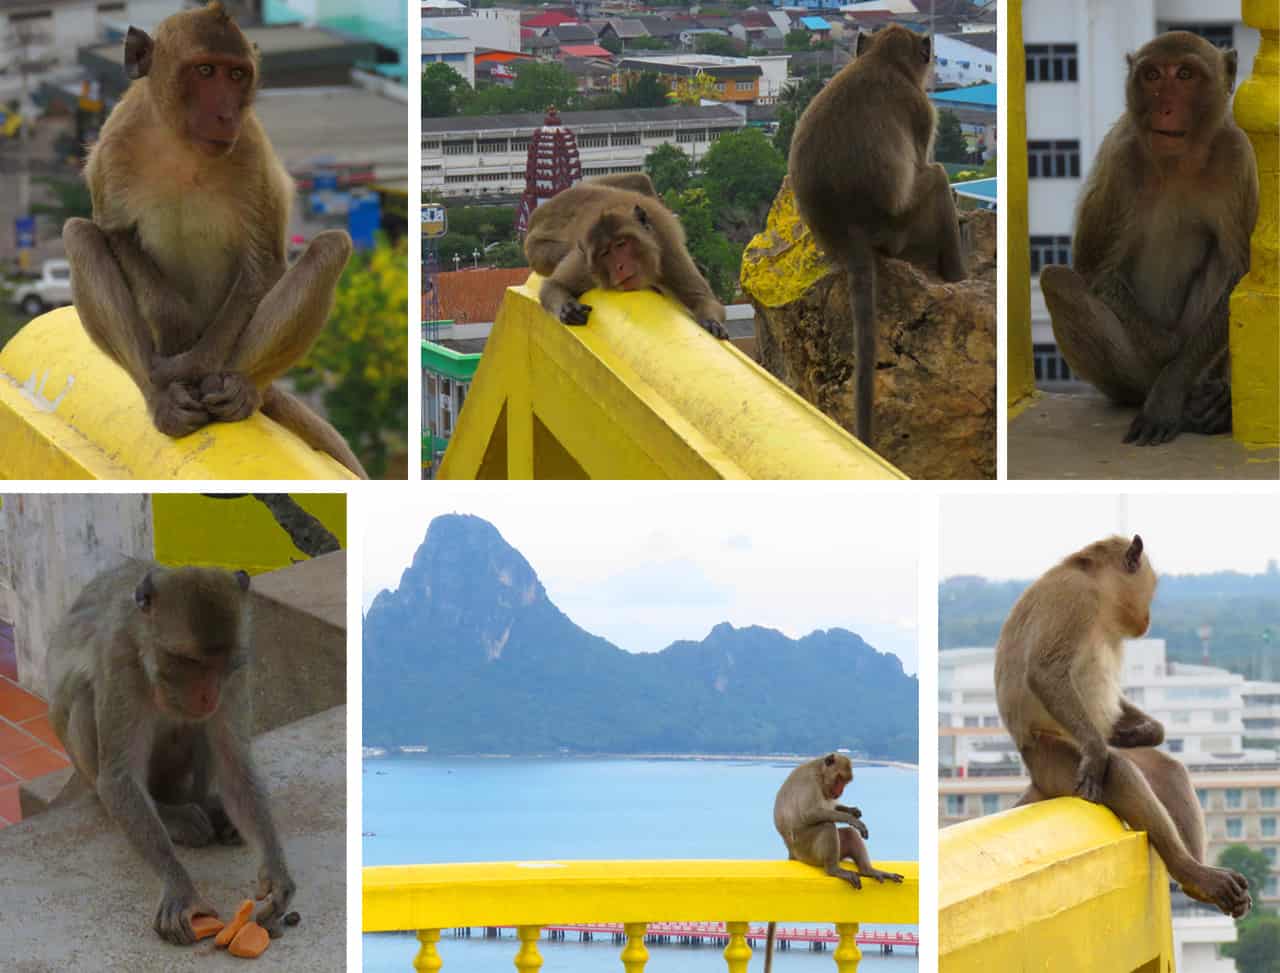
(644, 90)
(719, 259)
(1257, 948)
(721, 44)
(797, 40)
(71, 198)
(668, 167)
(1253, 865)
(796, 96)
(360, 361)
(742, 169)
(444, 91)
(950, 145)
(540, 85)
(509, 254)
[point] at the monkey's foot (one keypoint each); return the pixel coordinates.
(177, 410)
(229, 396)
(716, 329)
(1090, 776)
(572, 312)
(880, 876)
(187, 824)
(1146, 734)
(1223, 888)
(224, 831)
(173, 917)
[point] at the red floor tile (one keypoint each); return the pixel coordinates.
(41, 729)
(10, 810)
(34, 763)
(6, 778)
(13, 739)
(17, 704)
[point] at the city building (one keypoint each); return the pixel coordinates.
(491, 27)
(455, 50)
(961, 59)
(485, 156)
(738, 79)
(49, 32)
(975, 109)
(1075, 55)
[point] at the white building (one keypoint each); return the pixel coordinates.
(1075, 51)
(1262, 710)
(485, 155)
(491, 27)
(440, 46)
(959, 62)
(51, 31)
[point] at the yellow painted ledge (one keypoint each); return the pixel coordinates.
(1057, 887)
(412, 897)
(68, 412)
(640, 392)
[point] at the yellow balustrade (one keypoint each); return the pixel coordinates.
(1020, 381)
(640, 392)
(530, 895)
(1255, 303)
(68, 412)
(1057, 887)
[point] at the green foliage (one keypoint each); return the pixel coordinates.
(538, 85)
(71, 198)
(444, 91)
(509, 254)
(744, 170)
(950, 145)
(360, 360)
(1257, 948)
(798, 40)
(1253, 865)
(796, 96)
(644, 90)
(457, 244)
(721, 44)
(668, 167)
(718, 258)
(487, 222)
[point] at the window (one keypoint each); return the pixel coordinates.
(1235, 798)
(987, 68)
(990, 803)
(1268, 827)
(1221, 716)
(1203, 797)
(745, 85)
(432, 146)
(1054, 160)
(682, 137)
(955, 805)
(1272, 887)
(1235, 827)
(1175, 746)
(626, 138)
(1272, 853)
(991, 721)
(660, 133)
(1050, 366)
(1267, 797)
(971, 721)
(520, 145)
(978, 696)
(1051, 62)
(1046, 250)
(942, 61)
(593, 141)
(459, 148)
(492, 145)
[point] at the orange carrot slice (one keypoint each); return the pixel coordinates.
(205, 926)
(250, 942)
(243, 914)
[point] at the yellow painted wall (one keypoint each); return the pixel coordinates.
(236, 534)
(1020, 383)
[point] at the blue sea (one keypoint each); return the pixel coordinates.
(419, 809)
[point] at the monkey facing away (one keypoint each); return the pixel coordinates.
(181, 276)
(1058, 668)
(1162, 238)
(149, 693)
(864, 185)
(614, 233)
(807, 817)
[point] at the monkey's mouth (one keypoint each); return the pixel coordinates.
(1170, 133)
(627, 284)
(215, 147)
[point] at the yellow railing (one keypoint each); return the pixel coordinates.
(640, 392)
(1020, 380)
(530, 895)
(67, 412)
(1056, 887)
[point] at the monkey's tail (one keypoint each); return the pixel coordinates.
(293, 414)
(861, 264)
(768, 946)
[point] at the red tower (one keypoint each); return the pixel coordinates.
(553, 165)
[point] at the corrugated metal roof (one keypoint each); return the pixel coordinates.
(978, 94)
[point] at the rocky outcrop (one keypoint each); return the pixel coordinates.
(936, 356)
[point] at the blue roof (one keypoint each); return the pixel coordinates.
(978, 188)
(815, 23)
(978, 94)
(432, 34)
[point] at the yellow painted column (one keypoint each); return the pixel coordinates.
(1255, 304)
(1020, 381)
(428, 959)
(738, 953)
(634, 954)
(528, 960)
(520, 457)
(847, 954)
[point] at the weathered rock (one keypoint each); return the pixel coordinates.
(936, 352)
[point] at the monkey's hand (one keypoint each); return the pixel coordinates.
(276, 885)
(1091, 774)
(1209, 409)
(573, 312)
(716, 329)
(177, 905)
(1160, 418)
(229, 396)
(176, 411)
(1145, 733)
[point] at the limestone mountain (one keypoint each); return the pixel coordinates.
(469, 655)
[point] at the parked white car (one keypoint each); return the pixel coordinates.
(53, 289)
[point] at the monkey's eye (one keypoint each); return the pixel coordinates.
(1151, 74)
(237, 74)
(205, 70)
(1184, 73)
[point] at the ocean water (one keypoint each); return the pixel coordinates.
(420, 810)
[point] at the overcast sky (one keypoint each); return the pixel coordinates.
(645, 564)
(1007, 537)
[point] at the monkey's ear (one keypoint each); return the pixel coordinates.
(1229, 65)
(138, 46)
(863, 42)
(145, 592)
(829, 759)
(242, 579)
(1133, 556)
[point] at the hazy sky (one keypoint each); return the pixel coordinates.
(645, 564)
(1005, 537)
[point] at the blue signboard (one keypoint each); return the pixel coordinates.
(25, 231)
(364, 219)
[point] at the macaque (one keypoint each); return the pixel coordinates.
(1058, 670)
(149, 693)
(181, 276)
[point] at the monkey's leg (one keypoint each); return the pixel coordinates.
(224, 831)
(1052, 763)
(1135, 728)
(113, 322)
(827, 846)
(1171, 783)
(77, 728)
(852, 846)
(933, 227)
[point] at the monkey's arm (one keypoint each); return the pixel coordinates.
(560, 291)
(681, 277)
(1135, 728)
(245, 799)
(857, 822)
(826, 815)
(1049, 677)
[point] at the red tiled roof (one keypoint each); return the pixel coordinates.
(584, 50)
(473, 296)
(502, 57)
(550, 18)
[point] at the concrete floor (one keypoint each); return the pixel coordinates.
(75, 896)
(1078, 437)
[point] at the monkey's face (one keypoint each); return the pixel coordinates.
(623, 250)
(837, 772)
(1175, 89)
(216, 90)
(619, 264)
(188, 683)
